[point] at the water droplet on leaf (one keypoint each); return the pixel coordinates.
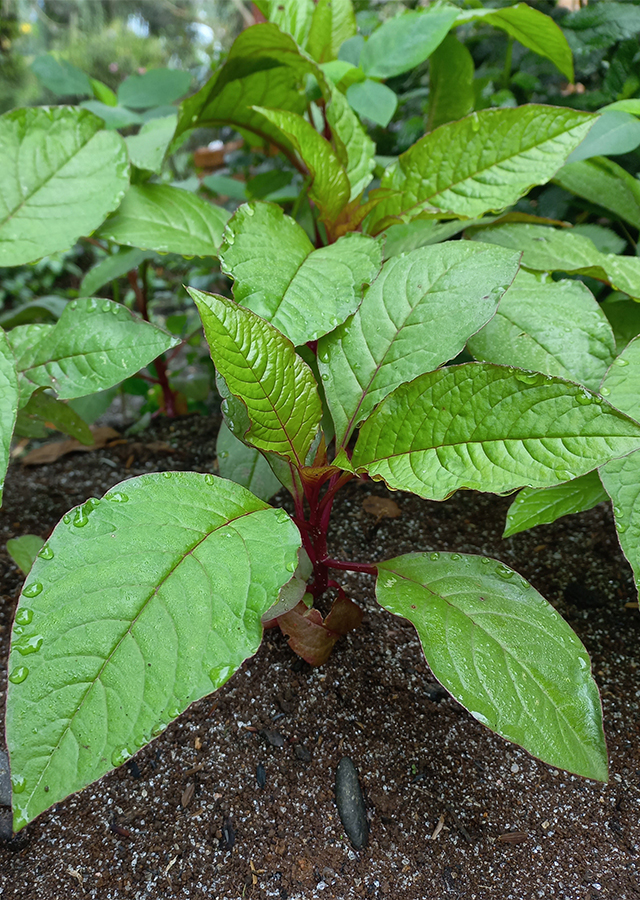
(24, 616)
(485, 560)
(434, 556)
(66, 518)
(81, 518)
(46, 552)
(30, 645)
(504, 571)
(18, 783)
(120, 755)
(220, 674)
(456, 556)
(33, 589)
(605, 391)
(529, 377)
(209, 479)
(117, 497)
(18, 675)
(621, 361)
(106, 306)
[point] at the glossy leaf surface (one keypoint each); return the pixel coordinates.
(333, 22)
(105, 655)
(61, 175)
(245, 465)
(262, 369)
(373, 100)
(278, 274)
(403, 42)
(418, 314)
(613, 133)
(503, 652)
(489, 428)
(166, 219)
(147, 148)
(8, 403)
(541, 506)
(555, 327)
(605, 183)
(354, 147)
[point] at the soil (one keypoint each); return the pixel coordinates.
(236, 798)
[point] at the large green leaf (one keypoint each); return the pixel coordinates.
(503, 652)
(531, 28)
(354, 148)
(93, 345)
(153, 88)
(278, 274)
(541, 506)
(605, 183)
(112, 267)
(42, 407)
(264, 67)
(140, 604)
(245, 465)
(560, 250)
(61, 175)
(621, 477)
(555, 327)
(403, 42)
(329, 188)
(418, 313)
(613, 133)
(489, 428)
(333, 23)
(373, 100)
(166, 219)
(262, 369)
(451, 74)
(114, 117)
(293, 17)
(61, 77)
(599, 25)
(8, 403)
(479, 164)
(147, 148)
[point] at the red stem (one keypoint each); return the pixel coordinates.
(349, 566)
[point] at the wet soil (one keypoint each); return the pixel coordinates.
(236, 798)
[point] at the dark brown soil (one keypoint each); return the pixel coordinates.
(188, 818)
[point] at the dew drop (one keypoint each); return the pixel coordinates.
(91, 504)
(106, 306)
(117, 497)
(81, 518)
(485, 560)
(33, 589)
(291, 567)
(229, 239)
(31, 645)
(434, 556)
(224, 454)
(120, 755)
(209, 479)
(250, 210)
(158, 729)
(46, 552)
(529, 377)
(24, 616)
(456, 556)
(605, 391)
(18, 783)
(504, 571)
(173, 712)
(166, 474)
(618, 512)
(563, 475)
(621, 361)
(18, 675)
(584, 398)
(323, 357)
(282, 517)
(220, 674)
(66, 518)
(621, 527)
(325, 376)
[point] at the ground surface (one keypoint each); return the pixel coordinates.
(188, 817)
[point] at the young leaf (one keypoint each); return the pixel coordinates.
(114, 117)
(8, 403)
(61, 175)
(531, 28)
(261, 369)
(329, 189)
(144, 602)
(451, 74)
(489, 428)
(354, 148)
(560, 250)
(482, 163)
(293, 17)
(605, 183)
(418, 313)
(373, 100)
(166, 219)
(613, 133)
(94, 345)
(555, 327)
(541, 506)
(45, 408)
(403, 42)
(23, 550)
(147, 148)
(110, 268)
(303, 292)
(245, 465)
(154, 88)
(503, 652)
(333, 23)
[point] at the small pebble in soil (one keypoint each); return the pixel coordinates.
(261, 775)
(272, 737)
(228, 835)
(302, 753)
(435, 692)
(350, 803)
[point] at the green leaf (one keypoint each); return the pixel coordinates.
(333, 23)
(102, 92)
(482, 163)
(373, 100)
(147, 148)
(531, 28)
(560, 250)
(155, 88)
(303, 292)
(293, 17)
(110, 268)
(245, 465)
(354, 148)
(418, 314)
(605, 183)
(45, 408)
(451, 74)
(621, 477)
(599, 25)
(264, 67)
(489, 428)
(555, 327)
(274, 384)
(94, 345)
(541, 506)
(61, 175)
(329, 189)
(419, 233)
(23, 550)
(166, 219)
(613, 133)
(47, 307)
(503, 652)
(226, 186)
(405, 41)
(631, 106)
(114, 117)
(624, 317)
(143, 602)
(61, 77)
(605, 239)
(8, 403)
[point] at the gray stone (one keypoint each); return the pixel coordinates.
(350, 803)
